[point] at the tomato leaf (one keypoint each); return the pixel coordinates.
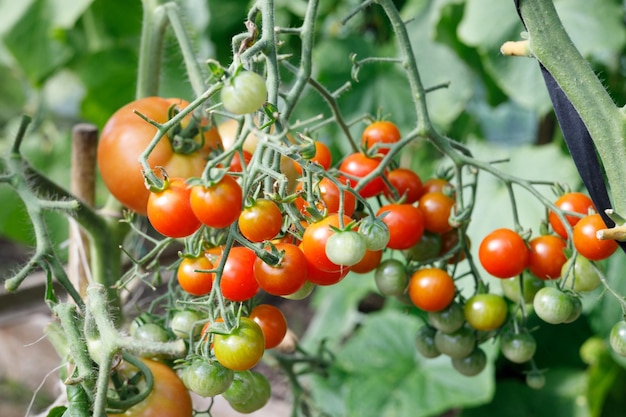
(379, 373)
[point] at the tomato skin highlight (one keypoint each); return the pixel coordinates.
(218, 205)
(243, 348)
(503, 253)
(169, 210)
(431, 289)
(405, 223)
(169, 396)
(237, 282)
(125, 137)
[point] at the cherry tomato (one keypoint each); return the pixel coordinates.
(428, 247)
(207, 378)
(192, 279)
(151, 332)
(381, 134)
(535, 379)
(586, 242)
(169, 396)
(272, 322)
(358, 165)
(617, 338)
(185, 324)
(436, 185)
(391, 277)
(553, 306)
(425, 342)
(237, 282)
(518, 347)
(240, 389)
(260, 221)
(314, 242)
(218, 205)
(235, 163)
(407, 184)
(322, 157)
(244, 93)
(449, 242)
(345, 247)
(471, 365)
(285, 278)
(261, 392)
(368, 263)
(546, 256)
(436, 208)
(582, 276)
(169, 211)
(431, 289)
(241, 349)
(125, 137)
(515, 292)
(485, 311)
(375, 232)
(405, 223)
(503, 253)
(456, 345)
(574, 202)
(324, 278)
(448, 320)
(327, 195)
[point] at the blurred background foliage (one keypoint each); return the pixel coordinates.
(69, 61)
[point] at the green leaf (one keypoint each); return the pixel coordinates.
(380, 373)
(559, 398)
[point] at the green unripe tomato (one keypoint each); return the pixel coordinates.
(244, 93)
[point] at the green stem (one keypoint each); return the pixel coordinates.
(551, 45)
(150, 48)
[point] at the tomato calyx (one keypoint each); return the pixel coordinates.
(128, 389)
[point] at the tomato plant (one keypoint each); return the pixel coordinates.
(242, 348)
(273, 323)
(124, 138)
(244, 93)
(503, 253)
(218, 205)
(586, 241)
(260, 221)
(431, 289)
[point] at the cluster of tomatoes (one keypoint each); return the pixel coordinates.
(335, 219)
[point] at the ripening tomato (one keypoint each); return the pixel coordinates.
(285, 278)
(126, 136)
(329, 197)
(381, 134)
(241, 349)
(547, 256)
(169, 210)
(322, 157)
(219, 204)
(436, 208)
(169, 396)
(407, 184)
(261, 221)
(324, 278)
(369, 262)
(314, 242)
(586, 242)
(405, 223)
(449, 242)
(485, 311)
(358, 165)
(574, 202)
(272, 322)
(235, 163)
(237, 282)
(503, 253)
(191, 277)
(431, 289)
(436, 184)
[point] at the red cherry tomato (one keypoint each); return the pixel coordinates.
(322, 156)
(314, 242)
(407, 184)
(285, 278)
(586, 242)
(405, 223)
(547, 256)
(237, 282)
(436, 207)
(169, 210)
(191, 279)
(359, 165)
(431, 289)
(218, 205)
(272, 322)
(574, 202)
(503, 253)
(329, 197)
(261, 221)
(381, 133)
